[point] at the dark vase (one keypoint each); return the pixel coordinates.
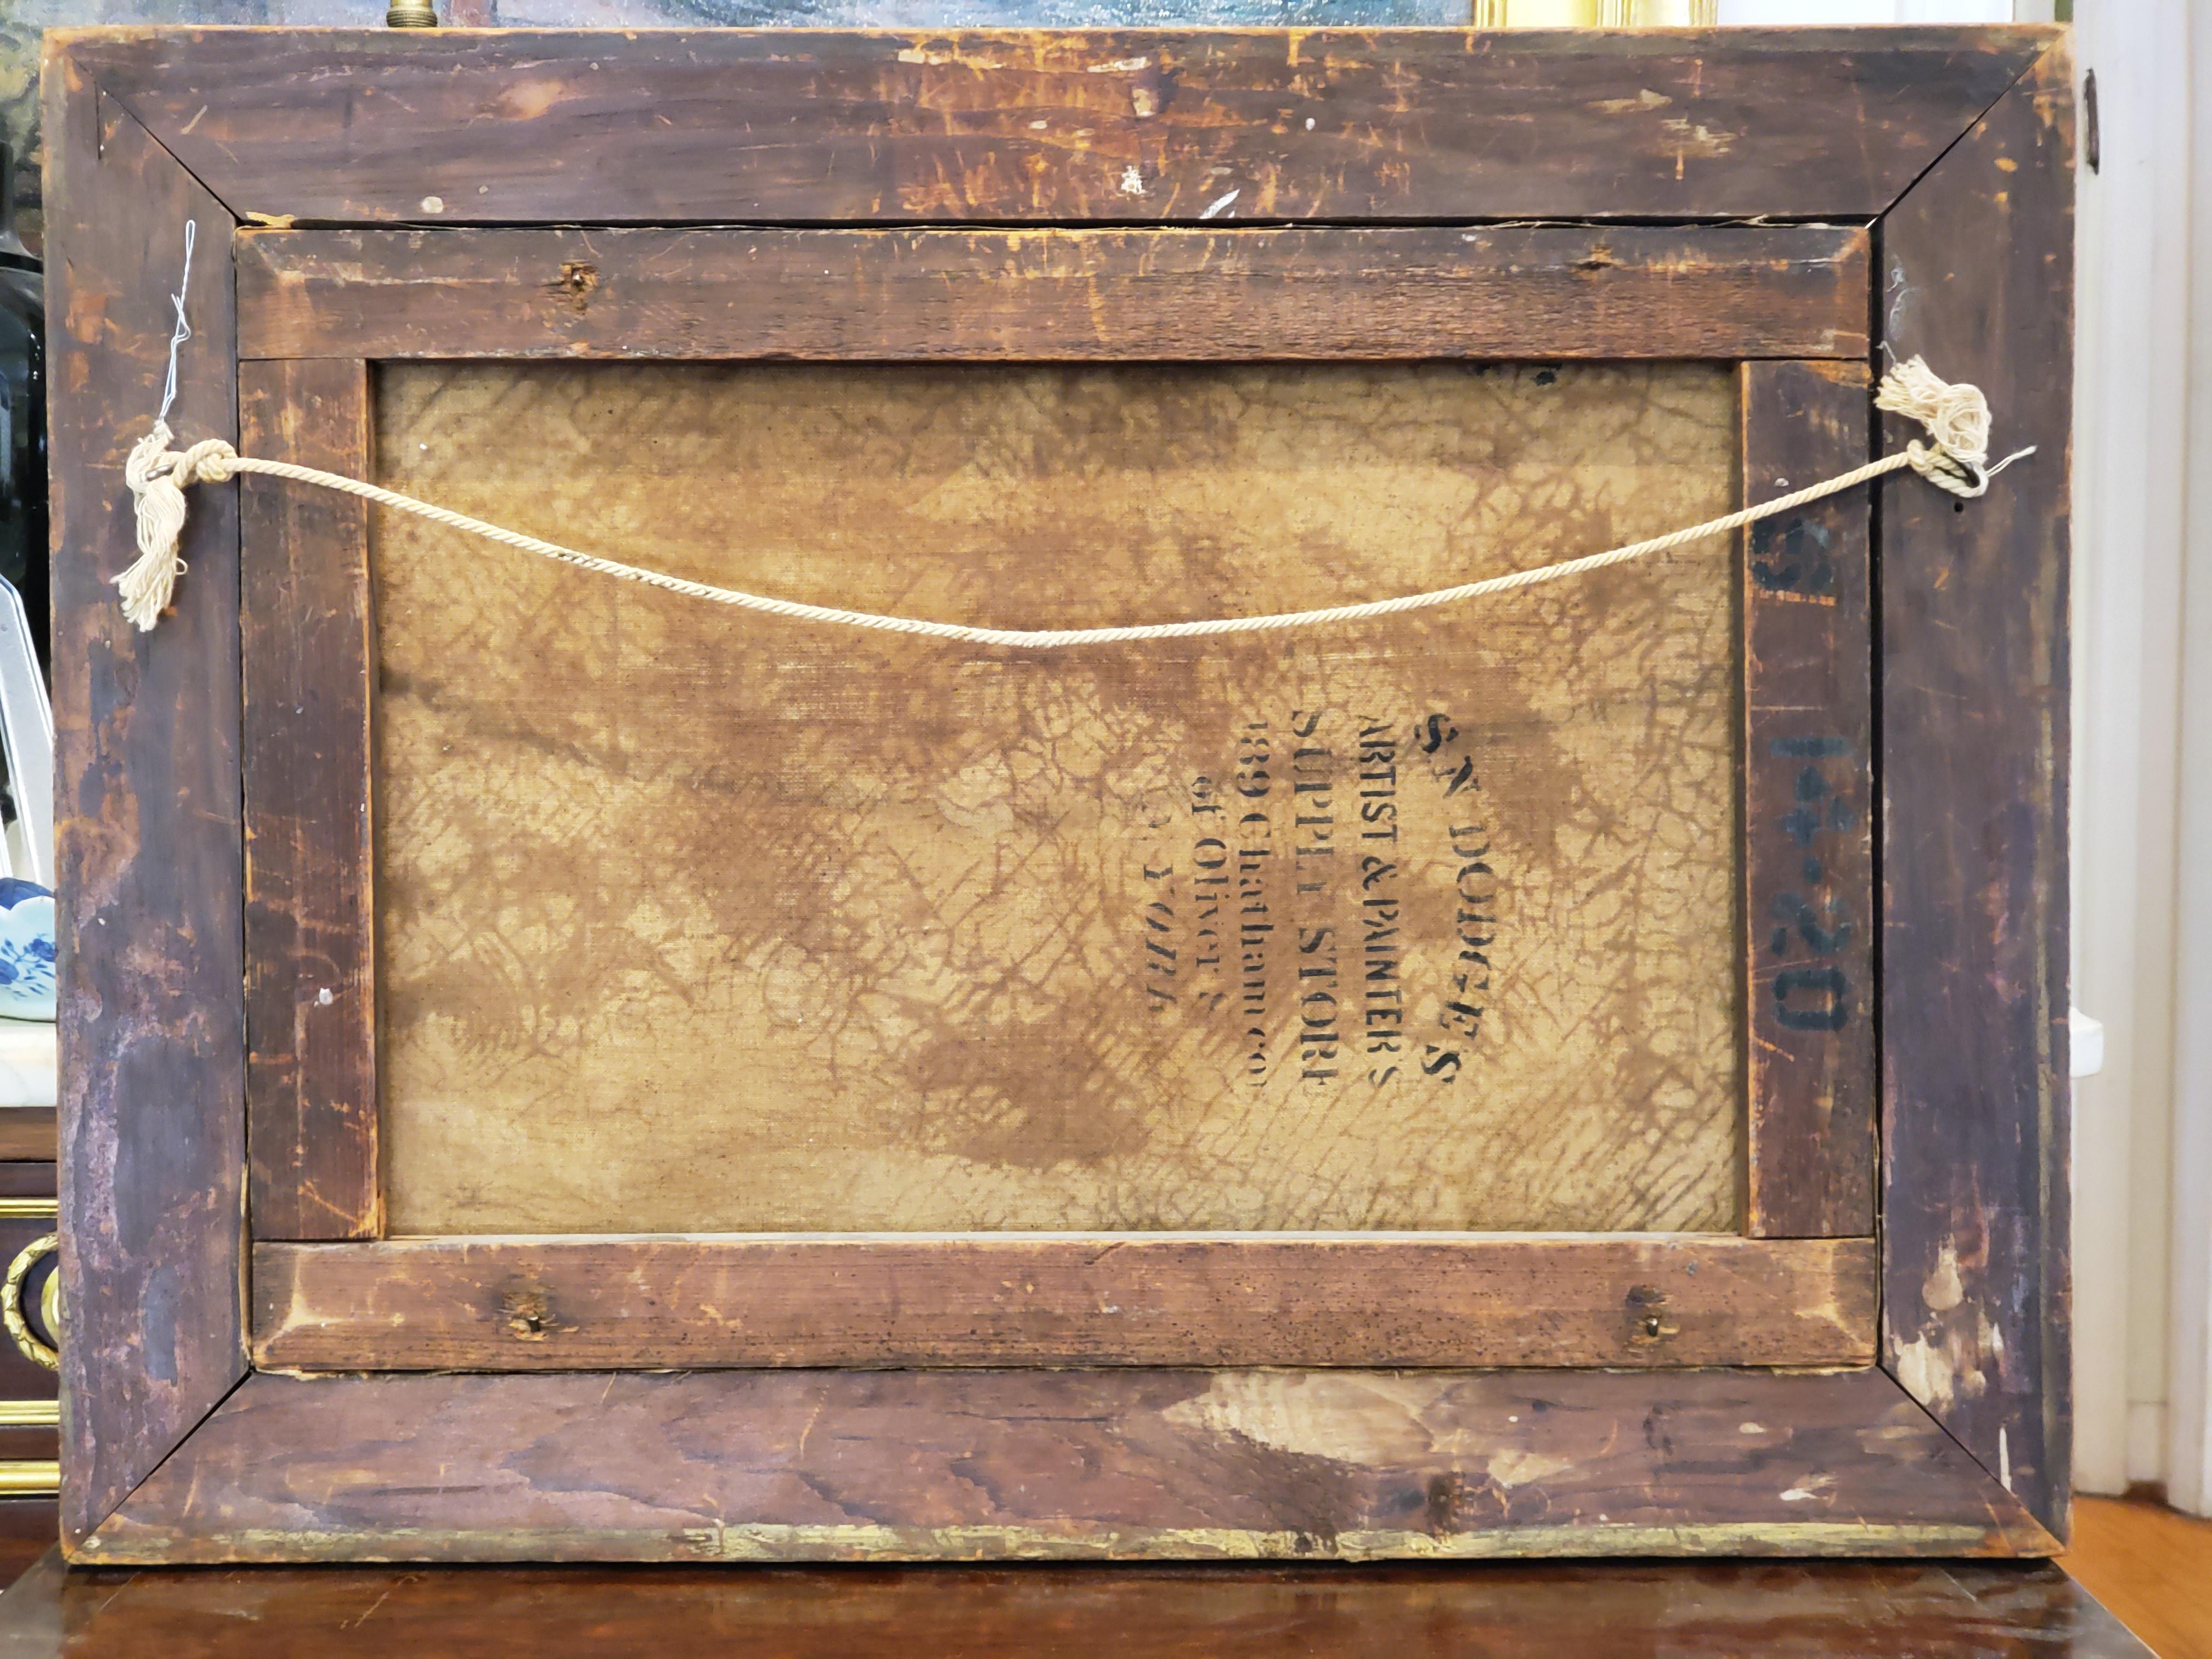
(23, 556)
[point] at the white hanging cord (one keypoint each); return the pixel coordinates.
(1955, 459)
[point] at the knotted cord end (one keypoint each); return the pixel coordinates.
(1956, 457)
(158, 476)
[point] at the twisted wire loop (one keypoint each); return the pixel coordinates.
(1955, 459)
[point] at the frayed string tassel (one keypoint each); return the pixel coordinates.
(158, 476)
(1956, 457)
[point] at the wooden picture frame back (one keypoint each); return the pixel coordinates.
(1940, 158)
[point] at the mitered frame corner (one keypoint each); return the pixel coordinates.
(1995, 89)
(148, 832)
(1975, 270)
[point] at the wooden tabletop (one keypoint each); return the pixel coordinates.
(1552, 1611)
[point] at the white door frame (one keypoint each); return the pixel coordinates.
(2142, 738)
(2189, 1455)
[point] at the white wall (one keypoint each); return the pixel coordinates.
(2188, 1416)
(2143, 774)
(2130, 503)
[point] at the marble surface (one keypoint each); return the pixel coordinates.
(26, 1063)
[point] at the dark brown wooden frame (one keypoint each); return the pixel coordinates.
(316, 307)
(217, 953)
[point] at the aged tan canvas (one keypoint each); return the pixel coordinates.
(691, 920)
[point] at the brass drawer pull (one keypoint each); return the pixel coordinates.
(27, 1339)
(31, 1477)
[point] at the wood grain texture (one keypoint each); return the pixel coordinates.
(30, 1178)
(1436, 1610)
(30, 1132)
(1386, 1300)
(19, 45)
(1043, 127)
(861, 1465)
(1974, 687)
(27, 1534)
(311, 1112)
(1807, 817)
(1507, 291)
(695, 921)
(147, 818)
(767, 1466)
(2149, 1565)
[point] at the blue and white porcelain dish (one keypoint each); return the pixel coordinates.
(26, 950)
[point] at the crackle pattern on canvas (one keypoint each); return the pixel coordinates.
(700, 921)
